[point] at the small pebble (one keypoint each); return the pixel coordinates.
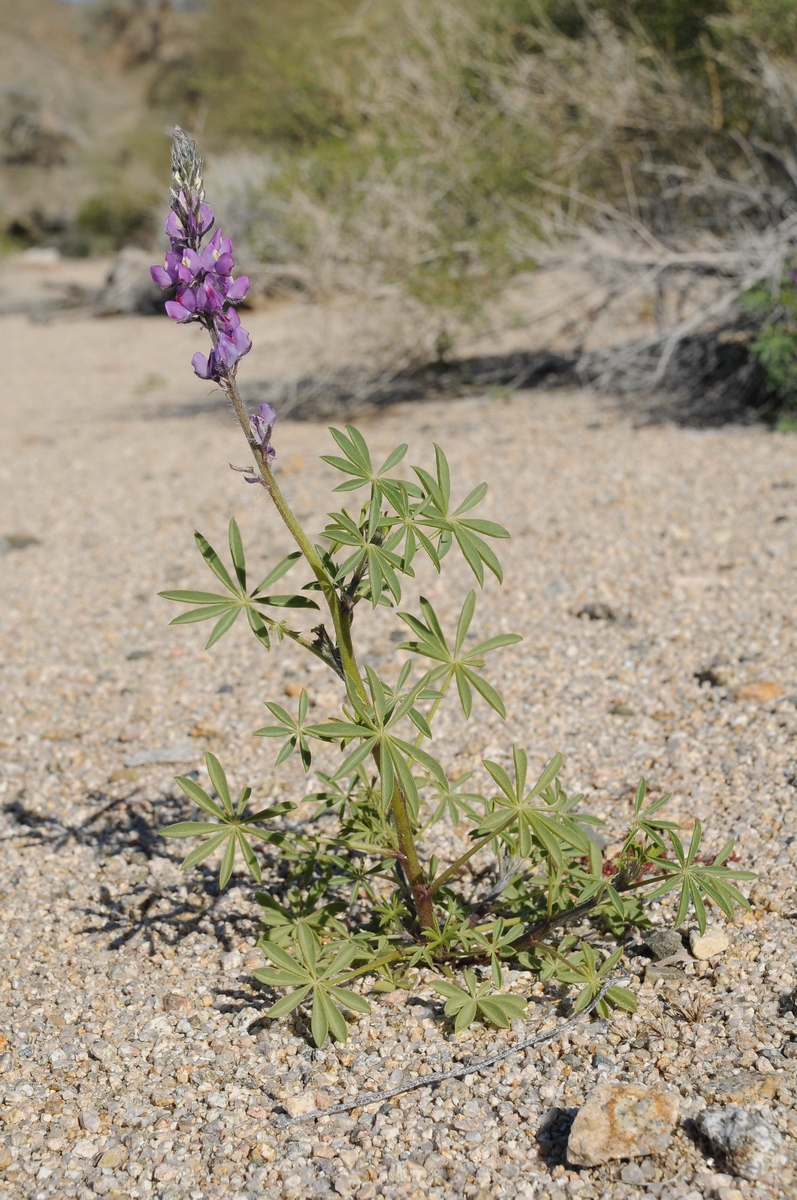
(748, 1087)
(114, 1157)
(663, 943)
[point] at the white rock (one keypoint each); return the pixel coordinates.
(90, 1120)
(709, 944)
(297, 1106)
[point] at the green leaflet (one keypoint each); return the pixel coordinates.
(233, 829)
(226, 608)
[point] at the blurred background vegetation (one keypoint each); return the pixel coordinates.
(429, 146)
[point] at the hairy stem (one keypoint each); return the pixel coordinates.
(536, 932)
(341, 619)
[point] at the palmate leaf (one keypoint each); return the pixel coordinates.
(646, 821)
(357, 459)
(295, 731)
(478, 1000)
(376, 554)
(232, 829)
(458, 664)
(322, 976)
(468, 532)
(453, 801)
(583, 967)
(409, 505)
(225, 609)
(697, 880)
(548, 823)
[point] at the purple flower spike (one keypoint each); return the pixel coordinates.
(201, 276)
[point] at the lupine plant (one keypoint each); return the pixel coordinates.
(359, 899)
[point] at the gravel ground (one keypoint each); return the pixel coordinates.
(136, 1060)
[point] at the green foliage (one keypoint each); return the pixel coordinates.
(458, 663)
(770, 23)
(774, 346)
(584, 968)
(479, 1000)
(314, 976)
(225, 609)
(114, 219)
(676, 26)
(361, 899)
(232, 828)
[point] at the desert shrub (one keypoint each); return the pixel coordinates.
(112, 219)
(774, 347)
(436, 148)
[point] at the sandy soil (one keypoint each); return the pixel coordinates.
(136, 1061)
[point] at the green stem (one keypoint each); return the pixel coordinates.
(374, 966)
(339, 619)
(463, 858)
(342, 624)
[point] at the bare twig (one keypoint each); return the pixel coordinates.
(469, 1068)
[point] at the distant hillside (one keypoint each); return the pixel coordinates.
(81, 154)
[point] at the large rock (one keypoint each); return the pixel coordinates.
(129, 288)
(621, 1120)
(749, 1145)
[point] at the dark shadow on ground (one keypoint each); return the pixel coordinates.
(338, 395)
(552, 1135)
(710, 380)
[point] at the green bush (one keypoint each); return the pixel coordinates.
(774, 347)
(113, 219)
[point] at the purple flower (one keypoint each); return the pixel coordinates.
(183, 307)
(224, 357)
(262, 423)
(208, 299)
(217, 255)
(206, 368)
(175, 228)
(178, 267)
(236, 289)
